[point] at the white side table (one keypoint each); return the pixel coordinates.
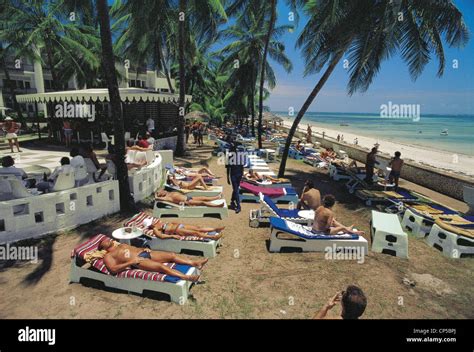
(308, 215)
(125, 237)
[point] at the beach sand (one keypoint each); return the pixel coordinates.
(459, 164)
(245, 280)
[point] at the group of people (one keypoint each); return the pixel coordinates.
(197, 129)
(324, 218)
(395, 164)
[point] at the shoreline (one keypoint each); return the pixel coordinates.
(461, 164)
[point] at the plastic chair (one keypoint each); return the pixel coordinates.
(64, 181)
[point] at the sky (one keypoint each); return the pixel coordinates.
(453, 93)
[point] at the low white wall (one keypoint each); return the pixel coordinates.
(145, 181)
(167, 156)
(52, 212)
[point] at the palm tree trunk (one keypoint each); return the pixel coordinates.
(306, 105)
(262, 72)
(182, 78)
(163, 64)
(49, 55)
(252, 101)
(126, 200)
(9, 82)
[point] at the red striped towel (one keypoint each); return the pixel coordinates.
(93, 245)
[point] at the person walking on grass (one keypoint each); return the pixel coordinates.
(353, 303)
(235, 172)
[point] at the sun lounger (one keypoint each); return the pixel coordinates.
(133, 280)
(315, 160)
(269, 209)
(420, 217)
(357, 181)
(453, 240)
(401, 195)
(206, 247)
(387, 236)
(197, 192)
(250, 192)
(303, 239)
(283, 183)
(167, 209)
(339, 171)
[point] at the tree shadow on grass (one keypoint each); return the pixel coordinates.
(45, 259)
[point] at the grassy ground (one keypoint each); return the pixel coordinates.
(245, 280)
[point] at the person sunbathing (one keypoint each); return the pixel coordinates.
(325, 222)
(203, 172)
(197, 181)
(310, 197)
(120, 257)
(174, 230)
(178, 198)
(299, 146)
(255, 176)
(328, 154)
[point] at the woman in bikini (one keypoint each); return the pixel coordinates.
(175, 230)
(198, 181)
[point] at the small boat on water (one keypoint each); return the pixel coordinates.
(444, 133)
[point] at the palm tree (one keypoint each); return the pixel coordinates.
(126, 201)
(371, 32)
(248, 48)
(202, 17)
(144, 28)
(43, 25)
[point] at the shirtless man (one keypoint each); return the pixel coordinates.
(175, 230)
(196, 182)
(310, 197)
(324, 220)
(396, 164)
(178, 198)
(121, 257)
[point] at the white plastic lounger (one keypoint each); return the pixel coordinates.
(251, 194)
(269, 209)
(167, 209)
(134, 280)
(307, 241)
(387, 235)
(452, 241)
(197, 192)
(419, 224)
(207, 247)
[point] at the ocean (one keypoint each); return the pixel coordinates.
(426, 132)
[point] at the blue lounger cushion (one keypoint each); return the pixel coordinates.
(300, 231)
(283, 213)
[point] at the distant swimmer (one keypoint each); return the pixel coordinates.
(420, 131)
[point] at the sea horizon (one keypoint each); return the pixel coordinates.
(422, 132)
